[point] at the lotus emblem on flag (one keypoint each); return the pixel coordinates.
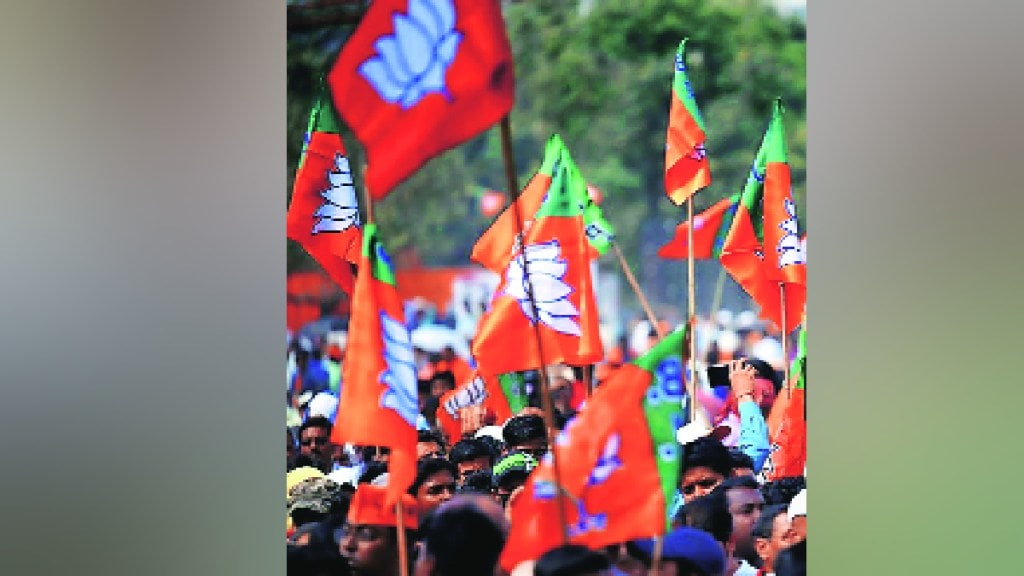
(547, 268)
(400, 375)
(789, 247)
(339, 210)
(412, 62)
(607, 463)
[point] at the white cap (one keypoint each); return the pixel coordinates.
(492, 431)
(797, 506)
(701, 427)
(381, 480)
(323, 404)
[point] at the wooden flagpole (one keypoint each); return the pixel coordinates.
(636, 290)
(403, 560)
(545, 388)
(691, 305)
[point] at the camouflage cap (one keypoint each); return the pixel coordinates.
(316, 494)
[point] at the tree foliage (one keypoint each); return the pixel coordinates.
(599, 73)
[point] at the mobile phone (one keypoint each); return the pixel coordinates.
(718, 375)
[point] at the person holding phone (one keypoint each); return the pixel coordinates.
(753, 439)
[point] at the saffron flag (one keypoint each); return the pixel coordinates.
(503, 395)
(783, 252)
(323, 215)
(418, 77)
(743, 248)
(686, 161)
(618, 461)
(555, 253)
(787, 423)
(379, 401)
(707, 229)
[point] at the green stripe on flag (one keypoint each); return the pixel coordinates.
(682, 87)
(380, 262)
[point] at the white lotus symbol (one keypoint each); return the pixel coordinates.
(789, 249)
(607, 463)
(547, 268)
(400, 375)
(412, 63)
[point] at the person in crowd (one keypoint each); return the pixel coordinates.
(479, 482)
(313, 499)
(706, 464)
(783, 490)
(315, 438)
(510, 474)
(434, 484)
(462, 537)
(572, 560)
(743, 499)
(685, 552)
(792, 561)
(471, 455)
(742, 464)
(526, 433)
(770, 536)
(441, 382)
(369, 542)
(429, 444)
(797, 513)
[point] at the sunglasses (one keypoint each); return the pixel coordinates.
(315, 440)
(705, 483)
(438, 489)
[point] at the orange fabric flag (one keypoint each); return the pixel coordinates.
(686, 162)
(617, 459)
(379, 401)
(556, 254)
(706, 230)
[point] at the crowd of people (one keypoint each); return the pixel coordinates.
(727, 518)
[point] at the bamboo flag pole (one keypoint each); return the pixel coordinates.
(691, 305)
(636, 290)
(403, 561)
(545, 388)
(659, 544)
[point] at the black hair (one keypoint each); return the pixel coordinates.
(765, 370)
(570, 560)
(709, 513)
(737, 482)
(320, 555)
(792, 561)
(478, 482)
(445, 376)
(497, 446)
(763, 526)
(740, 460)
(427, 467)
(462, 539)
(316, 422)
(470, 449)
(707, 452)
(430, 436)
(783, 490)
(522, 429)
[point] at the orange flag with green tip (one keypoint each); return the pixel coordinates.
(686, 162)
(618, 462)
(379, 400)
(555, 252)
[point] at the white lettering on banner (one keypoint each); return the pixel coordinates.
(473, 394)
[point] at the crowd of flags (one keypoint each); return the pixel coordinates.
(418, 77)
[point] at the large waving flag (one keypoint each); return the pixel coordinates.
(743, 249)
(784, 255)
(494, 248)
(379, 401)
(787, 424)
(503, 395)
(556, 254)
(709, 226)
(418, 77)
(323, 215)
(618, 460)
(686, 161)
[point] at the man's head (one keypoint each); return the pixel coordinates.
(315, 437)
(510, 473)
(429, 444)
(770, 534)
(797, 513)
(742, 464)
(441, 382)
(706, 464)
(314, 498)
(710, 514)
(434, 484)
(743, 499)
(526, 433)
(471, 455)
(572, 560)
(370, 541)
(686, 552)
(463, 537)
